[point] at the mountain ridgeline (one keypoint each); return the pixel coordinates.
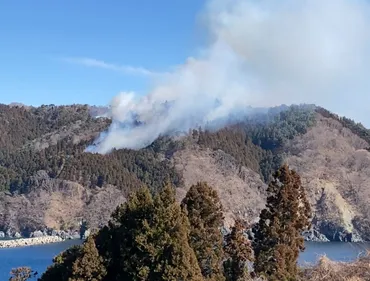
(48, 181)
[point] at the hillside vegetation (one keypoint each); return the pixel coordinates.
(53, 139)
(156, 238)
(49, 181)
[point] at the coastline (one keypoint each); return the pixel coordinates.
(38, 237)
(22, 242)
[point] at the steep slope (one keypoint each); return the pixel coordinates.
(49, 181)
(335, 168)
(241, 189)
(331, 154)
(57, 204)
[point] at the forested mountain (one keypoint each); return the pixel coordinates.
(53, 139)
(47, 180)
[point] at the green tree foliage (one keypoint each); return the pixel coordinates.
(257, 141)
(238, 252)
(234, 141)
(147, 239)
(278, 239)
(271, 130)
(64, 157)
(118, 240)
(19, 125)
(204, 210)
(153, 239)
(20, 274)
(31, 141)
(89, 266)
(125, 168)
(356, 128)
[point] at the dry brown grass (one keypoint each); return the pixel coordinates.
(327, 270)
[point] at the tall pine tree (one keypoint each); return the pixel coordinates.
(278, 238)
(204, 210)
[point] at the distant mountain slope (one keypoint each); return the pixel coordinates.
(54, 139)
(47, 180)
(50, 141)
(241, 189)
(335, 167)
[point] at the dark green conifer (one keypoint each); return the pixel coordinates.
(278, 238)
(146, 240)
(89, 266)
(150, 240)
(204, 210)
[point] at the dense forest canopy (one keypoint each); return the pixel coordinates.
(54, 138)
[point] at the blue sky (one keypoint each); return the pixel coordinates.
(65, 52)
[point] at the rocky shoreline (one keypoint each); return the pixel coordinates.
(336, 235)
(11, 240)
(30, 241)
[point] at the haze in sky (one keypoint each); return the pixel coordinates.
(240, 52)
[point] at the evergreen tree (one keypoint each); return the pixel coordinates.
(146, 240)
(89, 266)
(149, 240)
(278, 239)
(118, 240)
(176, 259)
(204, 210)
(238, 251)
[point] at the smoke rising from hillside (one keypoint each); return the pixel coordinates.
(261, 53)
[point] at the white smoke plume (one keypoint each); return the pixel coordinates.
(261, 53)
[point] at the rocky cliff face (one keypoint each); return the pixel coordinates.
(334, 165)
(335, 168)
(56, 204)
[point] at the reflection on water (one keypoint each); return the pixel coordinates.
(40, 257)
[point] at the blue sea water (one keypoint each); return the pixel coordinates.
(40, 257)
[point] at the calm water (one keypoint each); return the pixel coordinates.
(39, 257)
